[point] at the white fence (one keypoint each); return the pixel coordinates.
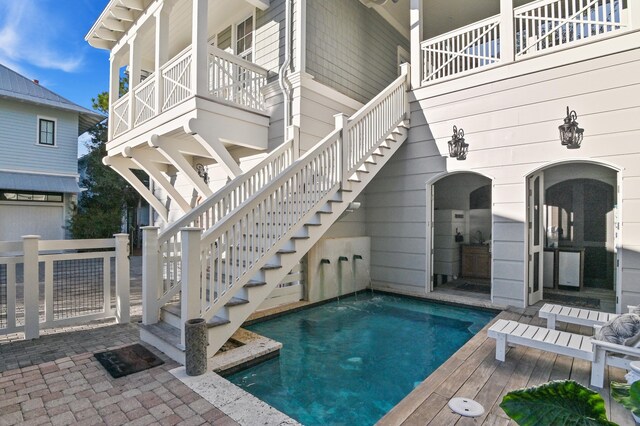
(46, 284)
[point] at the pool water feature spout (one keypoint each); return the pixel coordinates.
(325, 262)
(343, 259)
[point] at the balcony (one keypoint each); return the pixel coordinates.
(535, 28)
(231, 80)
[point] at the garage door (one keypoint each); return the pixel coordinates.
(19, 220)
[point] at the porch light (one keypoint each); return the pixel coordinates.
(457, 147)
(202, 172)
(570, 134)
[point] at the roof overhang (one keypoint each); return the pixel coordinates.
(38, 182)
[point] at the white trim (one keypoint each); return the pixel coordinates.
(307, 81)
(39, 118)
(402, 53)
(29, 172)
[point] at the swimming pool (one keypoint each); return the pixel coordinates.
(350, 362)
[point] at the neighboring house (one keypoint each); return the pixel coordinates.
(38, 157)
(218, 85)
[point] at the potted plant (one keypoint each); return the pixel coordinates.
(561, 402)
(629, 396)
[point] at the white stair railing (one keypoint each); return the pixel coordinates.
(145, 100)
(121, 116)
(168, 246)
(547, 24)
(244, 241)
(176, 79)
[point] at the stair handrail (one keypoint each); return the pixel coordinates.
(242, 242)
(214, 208)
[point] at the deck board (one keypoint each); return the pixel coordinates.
(473, 372)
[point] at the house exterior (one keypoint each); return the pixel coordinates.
(38, 157)
(290, 136)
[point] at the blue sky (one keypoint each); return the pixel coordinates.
(44, 40)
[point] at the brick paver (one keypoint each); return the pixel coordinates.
(56, 380)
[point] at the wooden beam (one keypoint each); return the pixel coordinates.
(106, 34)
(122, 14)
(123, 167)
(152, 169)
(99, 43)
(260, 4)
(133, 4)
(204, 135)
(169, 149)
(114, 25)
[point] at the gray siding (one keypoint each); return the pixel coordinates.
(224, 39)
(351, 47)
(18, 139)
(270, 31)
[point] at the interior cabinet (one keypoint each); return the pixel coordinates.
(476, 261)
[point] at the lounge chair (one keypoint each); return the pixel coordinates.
(598, 352)
(574, 315)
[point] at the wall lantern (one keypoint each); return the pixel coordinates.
(202, 172)
(457, 147)
(570, 134)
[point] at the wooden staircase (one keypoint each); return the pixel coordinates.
(228, 270)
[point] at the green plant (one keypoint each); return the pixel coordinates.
(627, 395)
(561, 402)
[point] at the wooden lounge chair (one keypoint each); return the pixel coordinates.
(598, 352)
(573, 315)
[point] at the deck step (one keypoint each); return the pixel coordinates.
(164, 331)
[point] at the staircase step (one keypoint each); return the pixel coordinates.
(346, 190)
(354, 179)
(235, 301)
(313, 224)
(172, 308)
(300, 237)
(164, 331)
(217, 322)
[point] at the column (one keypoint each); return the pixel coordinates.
(134, 76)
(162, 49)
(417, 36)
(123, 283)
(31, 287)
(507, 35)
(151, 280)
(114, 89)
(191, 277)
(199, 46)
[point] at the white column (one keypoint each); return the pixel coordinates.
(507, 35)
(31, 287)
(150, 277)
(341, 123)
(162, 49)
(417, 36)
(134, 76)
(123, 313)
(190, 297)
(634, 14)
(199, 46)
(114, 89)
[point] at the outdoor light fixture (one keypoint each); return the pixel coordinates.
(202, 172)
(457, 147)
(570, 134)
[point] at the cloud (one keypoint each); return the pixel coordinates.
(32, 32)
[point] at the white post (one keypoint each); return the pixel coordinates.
(341, 124)
(296, 142)
(162, 50)
(405, 69)
(416, 27)
(114, 90)
(150, 278)
(31, 287)
(134, 77)
(191, 280)
(507, 34)
(199, 46)
(634, 14)
(123, 313)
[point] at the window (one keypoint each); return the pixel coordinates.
(244, 39)
(30, 196)
(46, 132)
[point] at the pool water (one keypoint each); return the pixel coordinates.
(350, 362)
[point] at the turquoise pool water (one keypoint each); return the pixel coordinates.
(350, 362)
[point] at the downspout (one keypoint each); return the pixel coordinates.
(283, 81)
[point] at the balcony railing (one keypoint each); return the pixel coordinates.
(538, 27)
(230, 79)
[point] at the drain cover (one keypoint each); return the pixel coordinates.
(466, 407)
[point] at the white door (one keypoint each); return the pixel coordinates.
(17, 220)
(536, 237)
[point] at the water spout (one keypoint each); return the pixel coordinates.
(343, 259)
(325, 262)
(357, 256)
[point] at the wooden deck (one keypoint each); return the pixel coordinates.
(473, 372)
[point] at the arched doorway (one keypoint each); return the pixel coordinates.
(461, 230)
(571, 235)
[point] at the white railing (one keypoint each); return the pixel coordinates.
(46, 284)
(176, 80)
(464, 49)
(145, 100)
(235, 80)
(237, 246)
(207, 214)
(120, 111)
(548, 24)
